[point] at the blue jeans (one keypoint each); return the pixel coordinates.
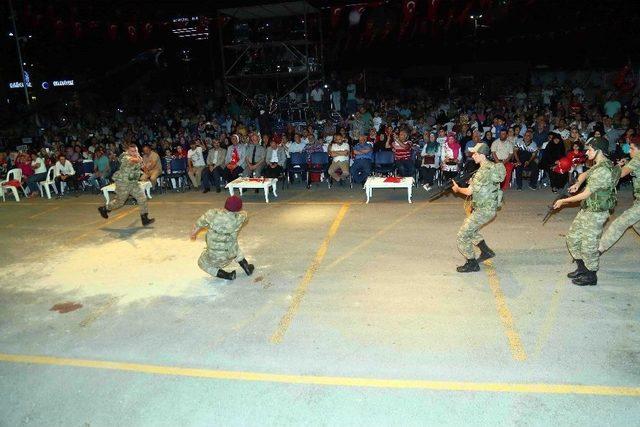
(33, 180)
(360, 170)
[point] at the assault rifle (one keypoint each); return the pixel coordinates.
(462, 179)
(551, 210)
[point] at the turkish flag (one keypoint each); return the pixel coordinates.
(408, 10)
(432, 10)
(77, 29)
(112, 31)
(336, 14)
(132, 33)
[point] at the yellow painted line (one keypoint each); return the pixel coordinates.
(93, 316)
(374, 237)
(301, 290)
(550, 319)
(106, 222)
(515, 343)
(46, 211)
(529, 388)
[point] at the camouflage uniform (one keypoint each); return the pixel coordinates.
(222, 239)
(630, 217)
(486, 199)
(127, 184)
(586, 229)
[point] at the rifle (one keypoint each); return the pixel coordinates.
(461, 179)
(551, 210)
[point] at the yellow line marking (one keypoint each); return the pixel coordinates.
(46, 211)
(530, 388)
(358, 248)
(107, 222)
(99, 311)
(515, 343)
(549, 319)
(301, 290)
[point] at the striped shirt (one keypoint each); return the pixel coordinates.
(400, 153)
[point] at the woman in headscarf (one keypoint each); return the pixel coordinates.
(430, 160)
(451, 155)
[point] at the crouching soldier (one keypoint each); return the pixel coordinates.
(222, 239)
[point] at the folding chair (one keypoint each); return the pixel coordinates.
(297, 165)
(318, 164)
(383, 163)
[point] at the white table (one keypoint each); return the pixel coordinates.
(145, 186)
(379, 182)
(257, 183)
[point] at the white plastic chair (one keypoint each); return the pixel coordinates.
(12, 175)
(50, 181)
(16, 174)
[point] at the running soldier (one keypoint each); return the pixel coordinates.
(597, 200)
(127, 184)
(486, 197)
(630, 217)
(222, 239)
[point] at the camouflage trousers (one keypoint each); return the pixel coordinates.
(469, 235)
(629, 218)
(212, 261)
(124, 189)
(584, 235)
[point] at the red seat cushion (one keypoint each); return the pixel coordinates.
(12, 183)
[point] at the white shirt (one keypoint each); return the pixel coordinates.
(316, 95)
(66, 169)
(40, 169)
(293, 147)
(274, 156)
(340, 147)
(197, 159)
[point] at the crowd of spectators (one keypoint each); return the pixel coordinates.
(538, 135)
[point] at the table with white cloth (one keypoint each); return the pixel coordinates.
(254, 183)
(388, 182)
(145, 186)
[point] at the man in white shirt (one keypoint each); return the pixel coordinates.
(64, 172)
(502, 152)
(339, 151)
(295, 146)
(215, 167)
(39, 174)
(316, 98)
(196, 163)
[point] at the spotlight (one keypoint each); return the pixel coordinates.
(10, 34)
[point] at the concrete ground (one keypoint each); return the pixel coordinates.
(354, 316)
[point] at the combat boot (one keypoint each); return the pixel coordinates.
(104, 212)
(146, 220)
(248, 268)
(578, 271)
(590, 278)
(470, 266)
(225, 275)
(485, 252)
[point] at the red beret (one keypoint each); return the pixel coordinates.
(233, 204)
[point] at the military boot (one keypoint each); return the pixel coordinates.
(225, 275)
(485, 252)
(248, 268)
(578, 271)
(589, 278)
(104, 212)
(470, 266)
(146, 220)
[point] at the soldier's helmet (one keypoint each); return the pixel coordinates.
(598, 143)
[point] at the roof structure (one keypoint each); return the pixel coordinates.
(275, 10)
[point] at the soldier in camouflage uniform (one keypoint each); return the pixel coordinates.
(222, 239)
(486, 197)
(127, 184)
(630, 217)
(597, 200)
